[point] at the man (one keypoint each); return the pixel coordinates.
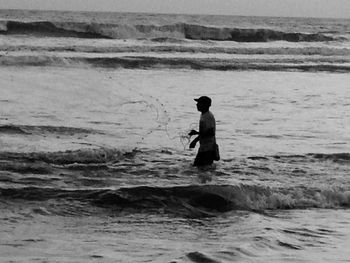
(208, 149)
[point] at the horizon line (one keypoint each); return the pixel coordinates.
(166, 13)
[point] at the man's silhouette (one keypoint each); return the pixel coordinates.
(208, 149)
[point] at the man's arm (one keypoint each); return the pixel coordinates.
(206, 133)
(194, 142)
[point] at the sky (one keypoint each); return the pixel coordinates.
(294, 8)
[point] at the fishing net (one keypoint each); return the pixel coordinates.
(151, 116)
(145, 118)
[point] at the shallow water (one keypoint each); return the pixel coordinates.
(124, 131)
(236, 236)
(257, 112)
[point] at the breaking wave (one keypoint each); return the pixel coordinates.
(117, 181)
(49, 29)
(148, 62)
(309, 51)
(173, 31)
(192, 200)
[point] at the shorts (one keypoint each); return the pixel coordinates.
(204, 158)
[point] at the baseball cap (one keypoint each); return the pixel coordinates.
(205, 100)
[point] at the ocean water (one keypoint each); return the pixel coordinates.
(94, 158)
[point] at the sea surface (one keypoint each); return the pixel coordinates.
(94, 158)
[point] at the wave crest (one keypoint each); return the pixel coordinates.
(318, 65)
(39, 129)
(177, 31)
(193, 200)
(49, 29)
(82, 156)
(169, 48)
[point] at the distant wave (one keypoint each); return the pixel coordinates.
(12, 129)
(144, 62)
(173, 31)
(39, 129)
(82, 156)
(170, 48)
(192, 200)
(335, 157)
(47, 29)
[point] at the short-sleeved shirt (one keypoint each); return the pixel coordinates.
(206, 122)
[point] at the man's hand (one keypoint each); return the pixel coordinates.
(193, 132)
(193, 144)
